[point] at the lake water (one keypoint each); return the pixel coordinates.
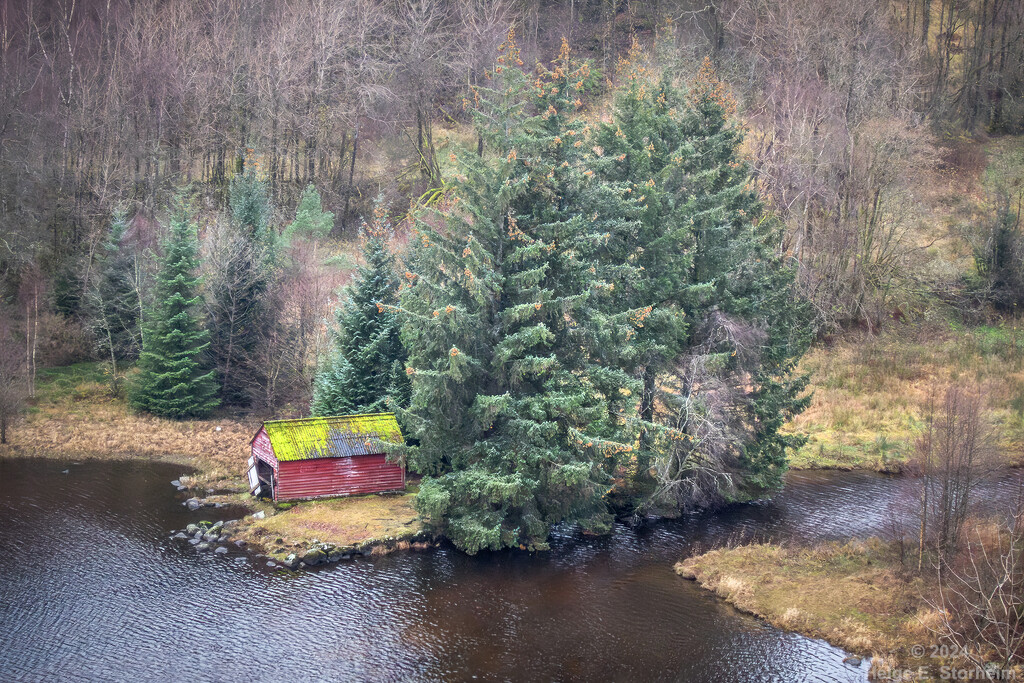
(92, 587)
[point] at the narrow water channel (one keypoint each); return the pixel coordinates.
(92, 587)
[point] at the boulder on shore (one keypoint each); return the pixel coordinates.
(313, 557)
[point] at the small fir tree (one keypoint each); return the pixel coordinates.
(367, 371)
(515, 410)
(174, 379)
(249, 199)
(113, 301)
(311, 221)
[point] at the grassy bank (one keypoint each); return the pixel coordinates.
(366, 524)
(847, 593)
(853, 595)
(73, 415)
(870, 392)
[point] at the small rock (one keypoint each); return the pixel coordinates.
(209, 504)
(198, 535)
(313, 557)
(218, 524)
(180, 535)
(209, 490)
(176, 482)
(203, 546)
(191, 529)
(182, 488)
(218, 505)
(240, 560)
(221, 550)
(240, 543)
(271, 564)
(193, 503)
(210, 536)
(65, 471)
(259, 515)
(852, 660)
(291, 561)
(193, 541)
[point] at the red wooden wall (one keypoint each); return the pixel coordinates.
(337, 477)
(320, 477)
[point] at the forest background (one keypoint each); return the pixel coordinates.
(883, 134)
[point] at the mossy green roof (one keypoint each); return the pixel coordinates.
(332, 437)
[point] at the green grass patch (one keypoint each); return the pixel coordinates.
(871, 392)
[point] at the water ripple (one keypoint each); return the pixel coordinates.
(92, 589)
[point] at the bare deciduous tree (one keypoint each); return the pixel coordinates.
(953, 454)
(980, 597)
(12, 371)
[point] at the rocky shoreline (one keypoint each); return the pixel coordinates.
(217, 537)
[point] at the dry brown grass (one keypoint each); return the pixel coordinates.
(870, 391)
(108, 430)
(74, 417)
(387, 521)
(853, 594)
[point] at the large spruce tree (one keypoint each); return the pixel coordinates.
(725, 327)
(515, 411)
(175, 379)
(366, 373)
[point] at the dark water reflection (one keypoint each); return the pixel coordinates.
(93, 588)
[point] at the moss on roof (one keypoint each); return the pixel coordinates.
(330, 437)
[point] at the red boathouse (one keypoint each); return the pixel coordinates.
(319, 457)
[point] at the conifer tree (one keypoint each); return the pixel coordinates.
(641, 149)
(515, 410)
(175, 379)
(367, 371)
(113, 302)
(725, 328)
(242, 265)
(311, 221)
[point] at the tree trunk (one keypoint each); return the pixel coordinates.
(351, 176)
(924, 522)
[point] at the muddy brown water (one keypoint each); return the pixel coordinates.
(92, 587)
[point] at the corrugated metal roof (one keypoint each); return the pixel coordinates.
(331, 437)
